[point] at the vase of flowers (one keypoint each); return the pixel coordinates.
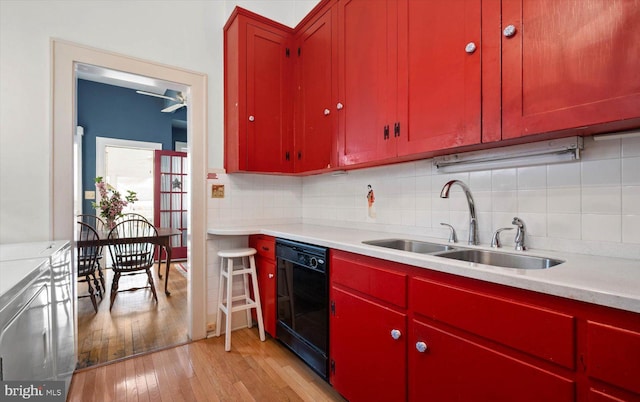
(111, 202)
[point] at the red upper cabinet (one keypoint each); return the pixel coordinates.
(258, 128)
(366, 78)
(409, 77)
(315, 94)
(567, 64)
(439, 55)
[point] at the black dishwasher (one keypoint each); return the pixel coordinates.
(303, 298)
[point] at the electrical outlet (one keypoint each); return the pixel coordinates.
(217, 191)
(89, 195)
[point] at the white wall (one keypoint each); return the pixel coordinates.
(186, 34)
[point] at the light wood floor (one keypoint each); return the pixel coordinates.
(203, 371)
(136, 324)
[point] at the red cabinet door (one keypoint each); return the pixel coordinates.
(368, 364)
(315, 106)
(367, 86)
(456, 368)
(267, 284)
(266, 269)
(268, 101)
(257, 94)
(569, 64)
(439, 78)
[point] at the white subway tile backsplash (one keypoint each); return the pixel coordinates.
(480, 181)
(536, 223)
(601, 200)
(563, 174)
(570, 205)
(605, 228)
(630, 232)
(504, 180)
(564, 200)
(631, 171)
(504, 201)
(631, 201)
(604, 172)
(595, 150)
(532, 177)
(564, 226)
(631, 147)
(532, 201)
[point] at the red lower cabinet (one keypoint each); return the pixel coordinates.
(266, 269)
(460, 339)
(368, 363)
(613, 362)
(447, 367)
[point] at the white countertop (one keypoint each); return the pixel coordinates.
(612, 282)
(21, 251)
(13, 272)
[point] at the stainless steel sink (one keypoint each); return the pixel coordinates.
(410, 245)
(501, 259)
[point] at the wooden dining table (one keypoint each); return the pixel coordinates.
(162, 239)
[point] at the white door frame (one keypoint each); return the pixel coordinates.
(65, 55)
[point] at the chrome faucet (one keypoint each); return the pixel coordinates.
(520, 231)
(473, 221)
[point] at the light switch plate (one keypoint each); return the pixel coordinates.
(89, 195)
(217, 191)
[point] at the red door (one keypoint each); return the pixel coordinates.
(568, 64)
(450, 367)
(370, 365)
(439, 84)
(367, 88)
(314, 140)
(268, 101)
(171, 198)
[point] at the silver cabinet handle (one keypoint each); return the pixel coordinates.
(339, 106)
(396, 334)
(421, 347)
(509, 31)
(270, 276)
(327, 112)
(470, 48)
(252, 118)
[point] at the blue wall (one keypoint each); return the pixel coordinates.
(115, 112)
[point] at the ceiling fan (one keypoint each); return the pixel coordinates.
(180, 99)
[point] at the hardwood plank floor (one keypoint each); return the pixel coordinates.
(203, 371)
(136, 324)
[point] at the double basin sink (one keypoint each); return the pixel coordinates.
(478, 256)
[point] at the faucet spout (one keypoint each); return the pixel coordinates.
(473, 221)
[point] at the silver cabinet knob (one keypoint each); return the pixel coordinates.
(470, 48)
(270, 276)
(509, 31)
(339, 106)
(326, 112)
(252, 118)
(396, 334)
(421, 347)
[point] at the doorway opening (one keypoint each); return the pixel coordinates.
(65, 57)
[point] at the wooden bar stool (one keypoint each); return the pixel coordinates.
(227, 302)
